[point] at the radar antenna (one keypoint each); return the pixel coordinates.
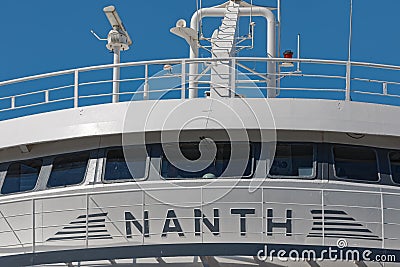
(117, 39)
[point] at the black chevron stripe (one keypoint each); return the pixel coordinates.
(338, 224)
(80, 237)
(334, 218)
(365, 230)
(93, 215)
(81, 232)
(84, 226)
(89, 221)
(337, 212)
(77, 229)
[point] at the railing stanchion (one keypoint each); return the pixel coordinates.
(183, 80)
(46, 96)
(233, 77)
(76, 88)
(87, 222)
(13, 102)
(33, 226)
(384, 88)
(146, 82)
(348, 80)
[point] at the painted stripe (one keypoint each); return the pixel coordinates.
(80, 237)
(334, 218)
(81, 232)
(328, 212)
(338, 224)
(341, 229)
(89, 221)
(93, 215)
(84, 226)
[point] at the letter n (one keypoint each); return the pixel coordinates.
(198, 217)
(130, 219)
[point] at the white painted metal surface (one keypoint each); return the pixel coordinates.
(289, 114)
(115, 222)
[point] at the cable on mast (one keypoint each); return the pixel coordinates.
(251, 19)
(350, 30)
(348, 65)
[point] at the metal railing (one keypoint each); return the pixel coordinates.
(170, 79)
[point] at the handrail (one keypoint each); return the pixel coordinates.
(176, 61)
(148, 78)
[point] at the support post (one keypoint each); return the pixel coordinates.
(193, 72)
(76, 88)
(46, 96)
(348, 65)
(183, 79)
(384, 88)
(115, 92)
(33, 226)
(348, 80)
(146, 82)
(13, 102)
(298, 52)
(233, 77)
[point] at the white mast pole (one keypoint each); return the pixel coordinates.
(116, 75)
(279, 27)
(278, 53)
(348, 65)
(298, 52)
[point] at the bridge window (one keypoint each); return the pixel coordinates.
(223, 163)
(293, 160)
(125, 164)
(21, 176)
(394, 158)
(68, 169)
(355, 163)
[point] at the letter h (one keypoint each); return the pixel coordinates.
(286, 225)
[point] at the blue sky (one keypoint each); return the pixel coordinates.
(46, 35)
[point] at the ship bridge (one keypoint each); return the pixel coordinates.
(218, 161)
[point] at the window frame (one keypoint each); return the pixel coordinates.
(5, 172)
(390, 166)
(103, 170)
(378, 168)
(250, 176)
(303, 177)
(46, 187)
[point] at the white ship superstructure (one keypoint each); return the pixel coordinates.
(219, 161)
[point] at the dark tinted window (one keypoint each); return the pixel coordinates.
(228, 162)
(68, 169)
(119, 167)
(21, 176)
(355, 163)
(293, 160)
(395, 166)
